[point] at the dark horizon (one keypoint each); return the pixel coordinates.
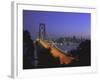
(58, 24)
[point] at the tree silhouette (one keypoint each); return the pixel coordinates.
(28, 50)
(83, 52)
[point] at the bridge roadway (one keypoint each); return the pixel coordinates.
(56, 53)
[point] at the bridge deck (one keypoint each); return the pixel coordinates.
(64, 59)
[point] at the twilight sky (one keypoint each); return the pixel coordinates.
(57, 23)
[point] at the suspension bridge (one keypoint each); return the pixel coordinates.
(47, 44)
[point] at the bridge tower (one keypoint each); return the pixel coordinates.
(42, 31)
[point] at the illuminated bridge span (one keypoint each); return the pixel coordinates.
(46, 43)
(56, 53)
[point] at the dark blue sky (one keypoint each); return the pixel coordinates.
(57, 23)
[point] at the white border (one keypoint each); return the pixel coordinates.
(17, 29)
